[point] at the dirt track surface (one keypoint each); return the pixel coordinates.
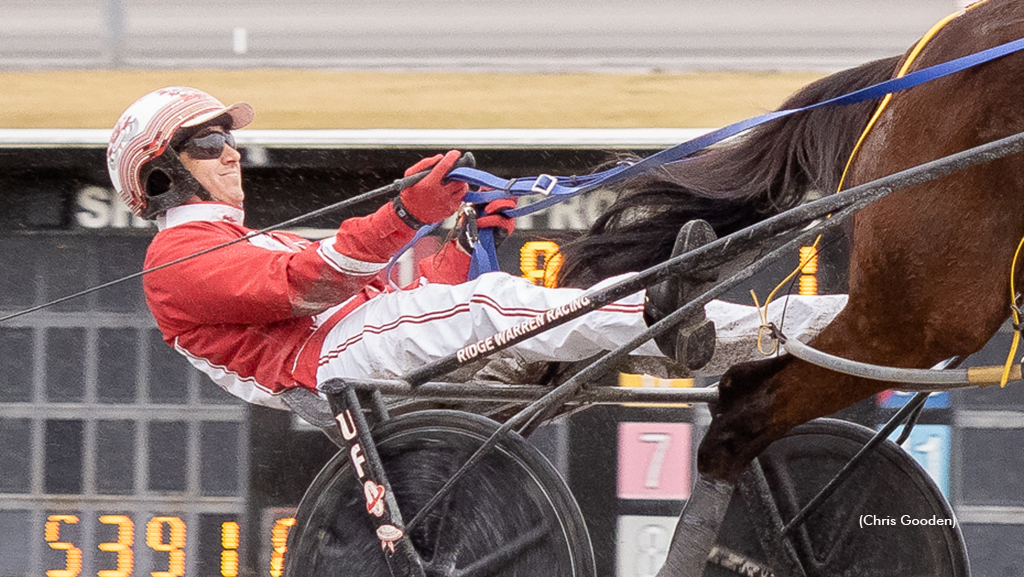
(308, 99)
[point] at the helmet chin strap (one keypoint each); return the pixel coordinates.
(182, 185)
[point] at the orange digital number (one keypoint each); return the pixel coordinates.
(539, 261)
(808, 270)
(123, 546)
(174, 547)
(229, 539)
(73, 555)
(279, 540)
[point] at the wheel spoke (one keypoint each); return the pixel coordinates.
(445, 511)
(492, 562)
(442, 559)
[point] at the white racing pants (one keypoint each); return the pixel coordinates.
(395, 333)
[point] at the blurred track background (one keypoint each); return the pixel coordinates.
(314, 99)
(440, 64)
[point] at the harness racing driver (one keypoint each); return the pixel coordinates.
(277, 311)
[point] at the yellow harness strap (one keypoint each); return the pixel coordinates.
(902, 72)
(765, 329)
(1016, 317)
(871, 123)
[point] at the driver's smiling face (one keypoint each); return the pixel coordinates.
(221, 176)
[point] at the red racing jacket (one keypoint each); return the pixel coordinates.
(253, 315)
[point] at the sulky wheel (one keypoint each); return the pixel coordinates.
(833, 540)
(511, 515)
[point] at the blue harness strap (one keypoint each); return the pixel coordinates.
(556, 189)
(420, 233)
(485, 255)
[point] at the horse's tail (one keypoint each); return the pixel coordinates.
(733, 185)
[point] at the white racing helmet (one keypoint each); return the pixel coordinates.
(144, 168)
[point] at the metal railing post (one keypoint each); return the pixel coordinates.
(114, 20)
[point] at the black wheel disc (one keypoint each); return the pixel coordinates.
(511, 515)
(837, 539)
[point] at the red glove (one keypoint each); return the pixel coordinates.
(492, 217)
(431, 199)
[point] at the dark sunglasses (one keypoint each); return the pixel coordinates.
(208, 146)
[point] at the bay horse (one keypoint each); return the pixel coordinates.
(929, 266)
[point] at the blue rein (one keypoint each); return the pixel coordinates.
(556, 189)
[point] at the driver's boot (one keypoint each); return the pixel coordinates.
(692, 342)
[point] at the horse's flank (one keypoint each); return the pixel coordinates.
(929, 268)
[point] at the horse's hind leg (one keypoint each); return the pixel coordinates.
(921, 290)
(760, 402)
